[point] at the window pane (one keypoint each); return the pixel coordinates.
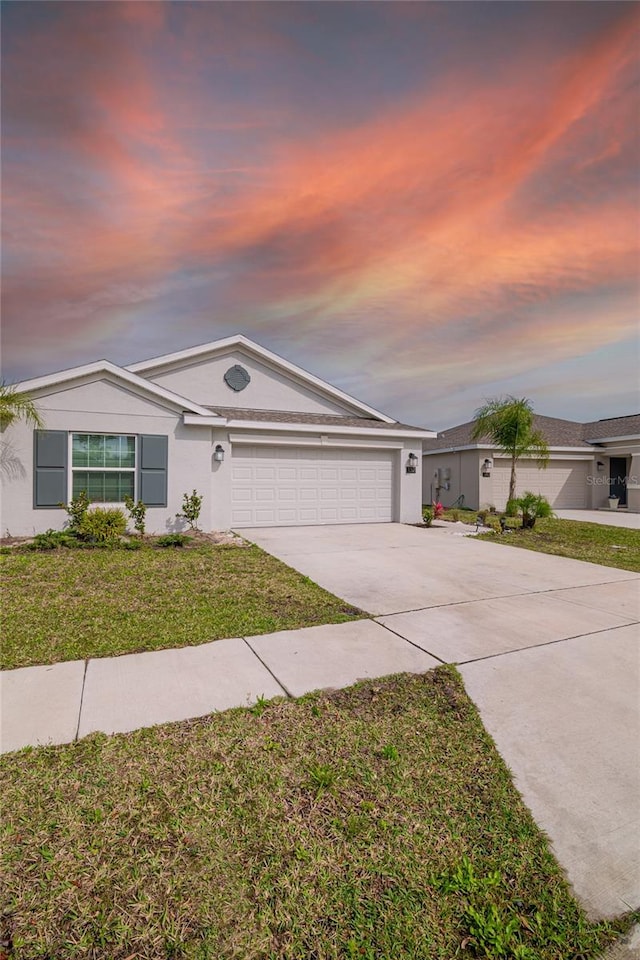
(96, 486)
(127, 452)
(126, 485)
(104, 486)
(96, 450)
(80, 482)
(111, 451)
(80, 455)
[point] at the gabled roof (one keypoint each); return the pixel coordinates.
(613, 428)
(320, 419)
(148, 367)
(92, 371)
(557, 432)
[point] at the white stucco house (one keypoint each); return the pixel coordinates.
(588, 462)
(263, 441)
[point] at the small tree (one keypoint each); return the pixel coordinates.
(508, 423)
(17, 406)
(533, 506)
(137, 512)
(191, 505)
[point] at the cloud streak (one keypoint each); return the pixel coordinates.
(155, 193)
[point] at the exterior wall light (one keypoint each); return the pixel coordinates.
(486, 467)
(600, 465)
(218, 453)
(412, 463)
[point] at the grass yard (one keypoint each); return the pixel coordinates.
(74, 604)
(610, 546)
(594, 542)
(377, 822)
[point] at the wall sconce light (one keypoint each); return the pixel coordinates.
(486, 467)
(600, 466)
(218, 453)
(412, 463)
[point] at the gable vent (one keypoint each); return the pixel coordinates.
(237, 378)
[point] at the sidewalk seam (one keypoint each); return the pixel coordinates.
(547, 643)
(84, 680)
(411, 642)
(505, 596)
(269, 670)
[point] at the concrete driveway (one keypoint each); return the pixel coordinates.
(549, 651)
(610, 518)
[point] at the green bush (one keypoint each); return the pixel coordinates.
(482, 516)
(103, 525)
(511, 509)
(191, 506)
(132, 545)
(52, 539)
(454, 515)
(77, 510)
(173, 540)
(137, 512)
(427, 516)
(533, 506)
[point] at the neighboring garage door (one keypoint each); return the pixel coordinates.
(563, 483)
(279, 486)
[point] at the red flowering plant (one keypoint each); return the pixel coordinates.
(438, 509)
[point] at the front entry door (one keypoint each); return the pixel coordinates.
(618, 479)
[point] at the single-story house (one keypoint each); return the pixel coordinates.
(588, 463)
(263, 441)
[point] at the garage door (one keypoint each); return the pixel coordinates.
(279, 486)
(563, 483)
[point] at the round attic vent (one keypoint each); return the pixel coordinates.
(237, 378)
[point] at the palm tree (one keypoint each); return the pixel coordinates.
(17, 406)
(508, 423)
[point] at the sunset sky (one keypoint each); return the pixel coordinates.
(424, 203)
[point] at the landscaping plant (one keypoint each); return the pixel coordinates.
(191, 506)
(137, 512)
(76, 510)
(102, 525)
(508, 424)
(533, 506)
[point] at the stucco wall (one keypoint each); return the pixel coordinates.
(464, 468)
(102, 406)
(83, 409)
(203, 382)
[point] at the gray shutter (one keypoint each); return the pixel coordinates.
(50, 467)
(152, 470)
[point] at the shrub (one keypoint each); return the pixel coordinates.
(132, 545)
(77, 510)
(191, 505)
(454, 515)
(173, 540)
(533, 506)
(438, 509)
(427, 515)
(482, 516)
(137, 512)
(511, 509)
(103, 525)
(51, 540)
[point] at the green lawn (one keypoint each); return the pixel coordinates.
(74, 604)
(611, 546)
(377, 822)
(594, 542)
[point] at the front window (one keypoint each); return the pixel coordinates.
(103, 465)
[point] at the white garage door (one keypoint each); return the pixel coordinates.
(279, 486)
(563, 483)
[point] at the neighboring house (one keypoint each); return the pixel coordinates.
(263, 441)
(588, 461)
